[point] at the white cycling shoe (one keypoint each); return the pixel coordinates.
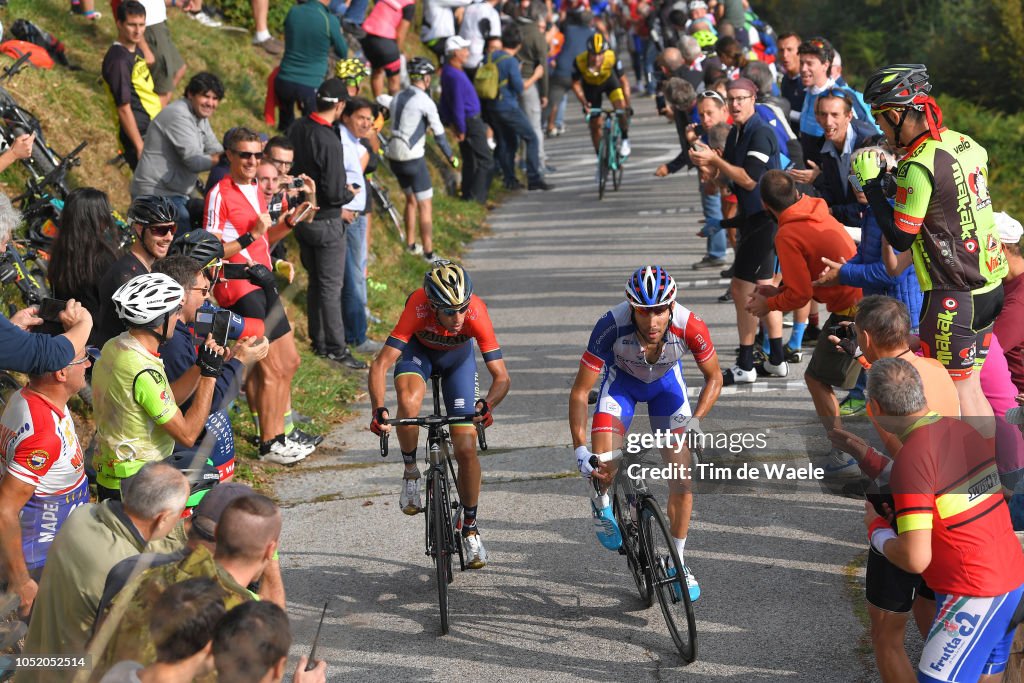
(409, 500)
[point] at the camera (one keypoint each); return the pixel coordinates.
(296, 183)
(844, 332)
(220, 322)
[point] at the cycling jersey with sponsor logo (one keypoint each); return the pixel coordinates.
(40, 448)
(614, 341)
(418, 320)
(942, 197)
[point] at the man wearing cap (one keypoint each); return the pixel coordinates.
(1009, 327)
(751, 150)
(233, 540)
(320, 155)
(459, 109)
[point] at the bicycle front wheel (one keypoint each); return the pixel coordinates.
(440, 534)
(603, 162)
(636, 559)
(667, 577)
(617, 171)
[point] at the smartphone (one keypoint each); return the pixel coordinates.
(216, 322)
(698, 147)
(311, 662)
(235, 271)
(305, 209)
(50, 309)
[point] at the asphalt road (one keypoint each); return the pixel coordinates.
(778, 562)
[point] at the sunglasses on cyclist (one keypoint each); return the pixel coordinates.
(162, 230)
(453, 311)
(652, 310)
(258, 156)
(711, 95)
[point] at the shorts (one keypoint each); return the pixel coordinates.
(969, 638)
(255, 305)
(755, 249)
(667, 403)
(457, 368)
(168, 59)
(956, 328)
(612, 87)
(414, 177)
(889, 588)
(382, 53)
(830, 365)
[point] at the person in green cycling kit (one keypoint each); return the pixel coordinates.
(137, 419)
(943, 213)
(435, 334)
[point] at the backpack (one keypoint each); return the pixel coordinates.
(486, 81)
(25, 30)
(37, 55)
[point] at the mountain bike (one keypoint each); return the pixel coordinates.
(650, 551)
(609, 149)
(443, 513)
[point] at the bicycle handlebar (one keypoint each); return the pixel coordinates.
(12, 70)
(70, 159)
(430, 421)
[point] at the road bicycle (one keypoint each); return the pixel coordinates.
(609, 149)
(650, 551)
(443, 512)
(382, 199)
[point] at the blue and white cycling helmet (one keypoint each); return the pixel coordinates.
(650, 286)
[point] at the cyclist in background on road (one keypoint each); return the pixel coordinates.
(598, 72)
(435, 334)
(636, 350)
(943, 214)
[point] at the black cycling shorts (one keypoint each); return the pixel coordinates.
(255, 305)
(413, 177)
(612, 87)
(956, 328)
(382, 53)
(889, 588)
(755, 249)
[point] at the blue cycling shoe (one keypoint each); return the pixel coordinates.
(692, 587)
(606, 527)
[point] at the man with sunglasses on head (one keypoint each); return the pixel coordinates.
(637, 350)
(435, 334)
(153, 220)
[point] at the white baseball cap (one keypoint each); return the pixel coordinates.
(1009, 228)
(455, 43)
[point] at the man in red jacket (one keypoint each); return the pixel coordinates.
(807, 233)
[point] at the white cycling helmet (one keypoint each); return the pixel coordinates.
(144, 299)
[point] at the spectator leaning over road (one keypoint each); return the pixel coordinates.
(165, 62)
(181, 144)
(791, 85)
(1009, 326)
(806, 235)
(460, 110)
(386, 27)
(251, 644)
(246, 541)
(236, 212)
(93, 539)
(311, 34)
(413, 112)
(130, 82)
(43, 475)
(480, 23)
(357, 124)
(22, 351)
(83, 250)
(750, 152)
(533, 58)
(320, 155)
(935, 529)
(137, 418)
(507, 118)
(182, 622)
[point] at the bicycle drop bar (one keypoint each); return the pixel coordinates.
(597, 458)
(426, 421)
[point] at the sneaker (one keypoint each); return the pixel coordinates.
(353, 29)
(346, 359)
(737, 375)
(414, 249)
(606, 527)
(768, 369)
(849, 406)
(726, 298)
(692, 587)
(727, 273)
(205, 19)
(272, 46)
(841, 465)
(476, 554)
(560, 129)
(625, 149)
(708, 262)
(303, 437)
(287, 453)
(540, 184)
(409, 500)
(793, 355)
(811, 335)
(368, 346)
(549, 169)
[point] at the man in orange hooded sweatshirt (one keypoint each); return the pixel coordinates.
(807, 232)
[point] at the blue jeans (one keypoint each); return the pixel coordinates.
(716, 235)
(354, 11)
(353, 293)
(183, 221)
(511, 125)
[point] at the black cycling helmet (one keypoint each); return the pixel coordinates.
(447, 284)
(897, 85)
(420, 66)
(200, 472)
(149, 209)
(200, 245)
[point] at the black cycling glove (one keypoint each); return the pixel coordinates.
(262, 277)
(209, 361)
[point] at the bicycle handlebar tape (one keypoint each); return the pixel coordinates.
(210, 361)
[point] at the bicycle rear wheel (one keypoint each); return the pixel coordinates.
(602, 166)
(440, 540)
(382, 198)
(636, 559)
(668, 580)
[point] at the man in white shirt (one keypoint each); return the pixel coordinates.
(480, 23)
